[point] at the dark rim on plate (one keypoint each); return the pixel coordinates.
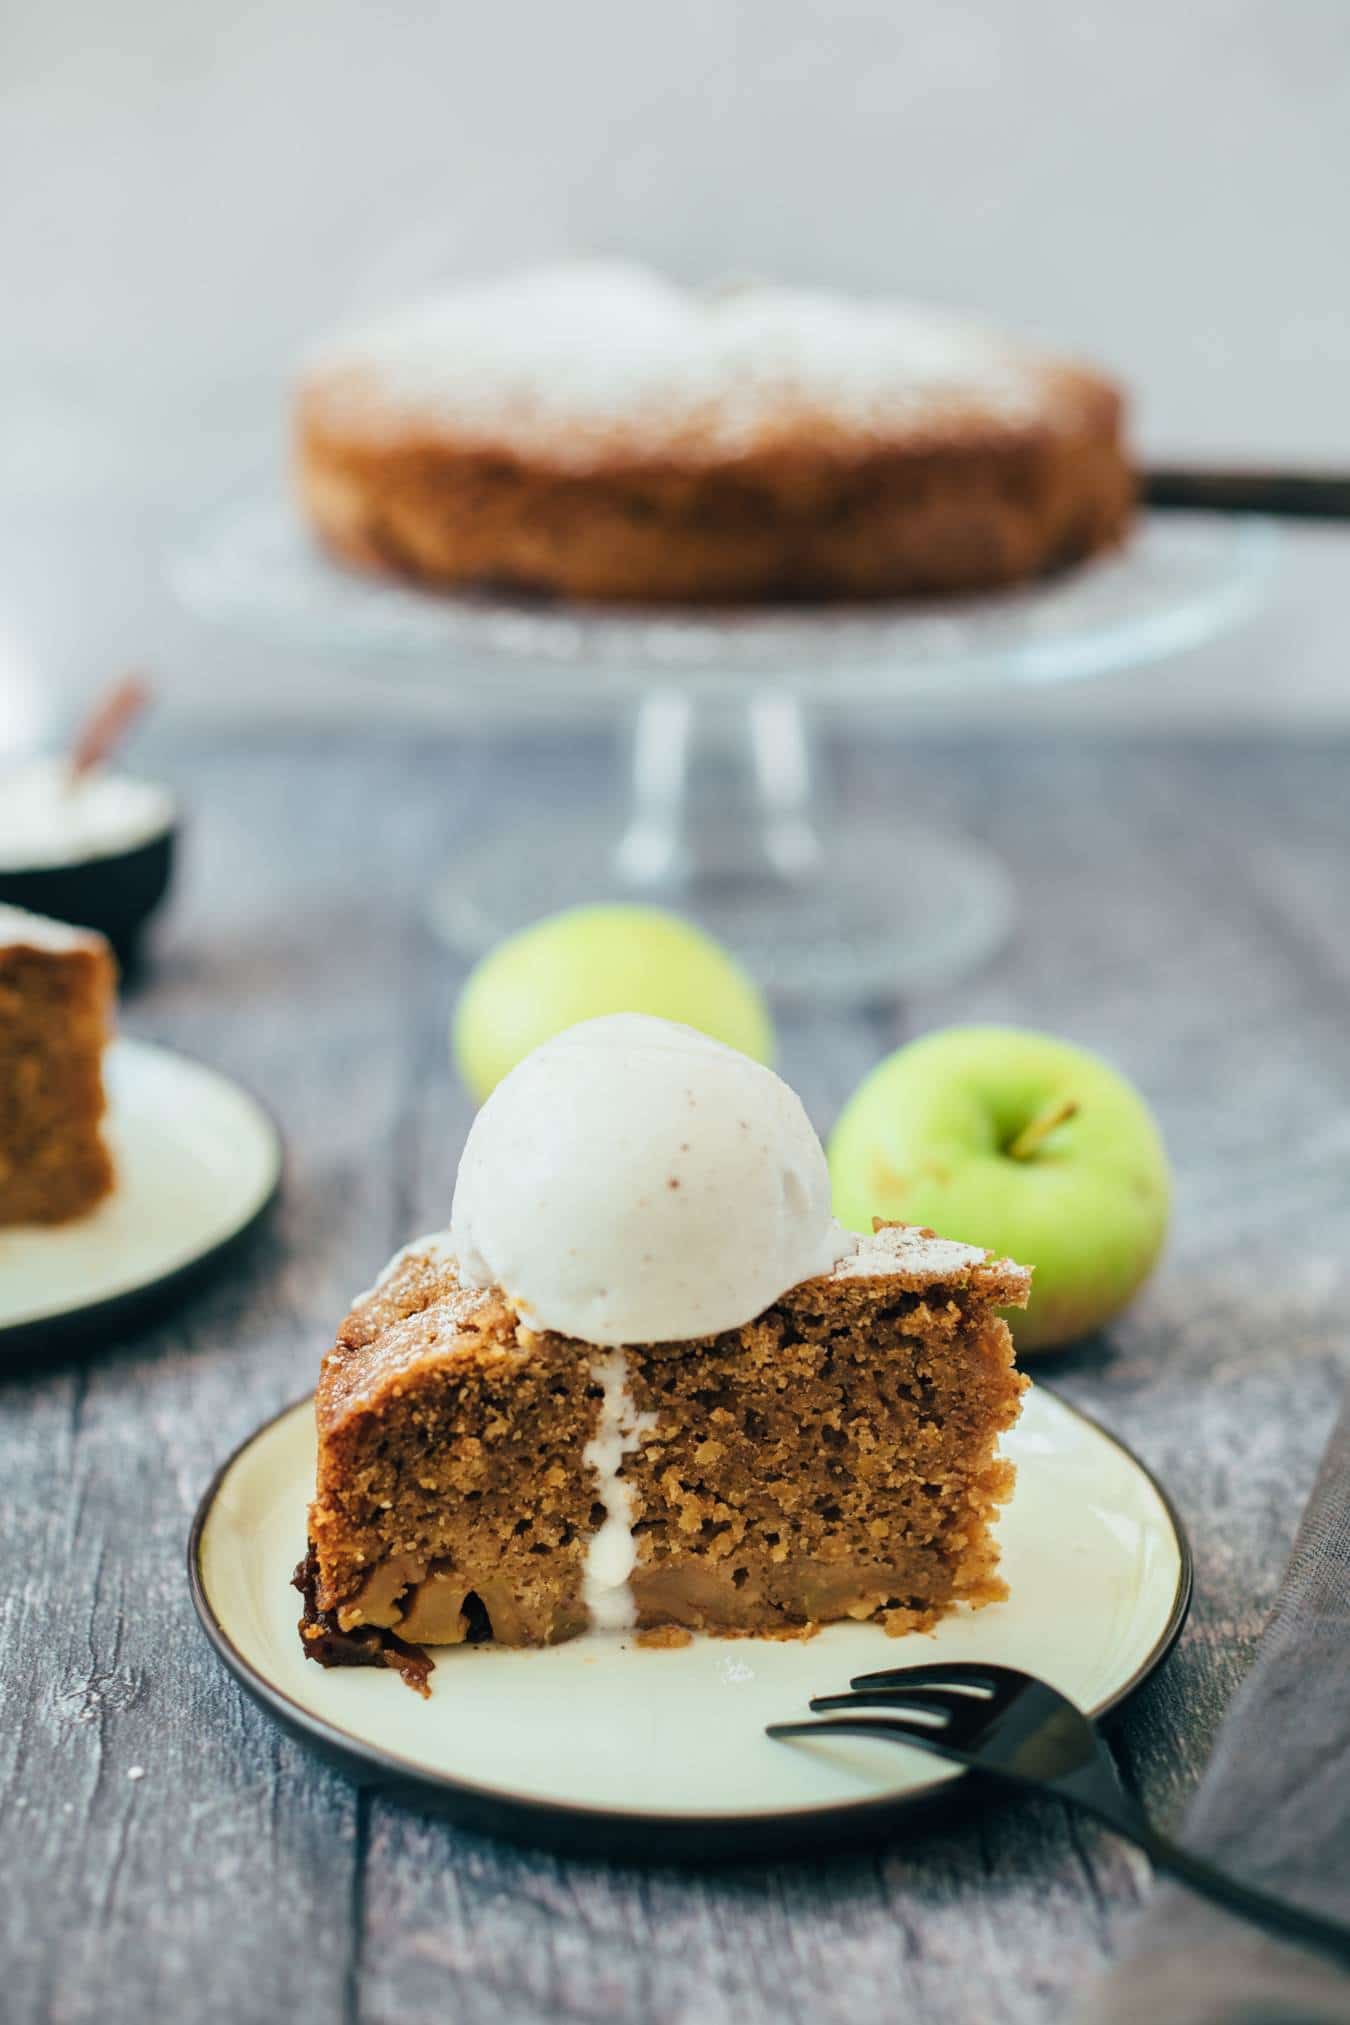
(659, 1838)
(132, 1305)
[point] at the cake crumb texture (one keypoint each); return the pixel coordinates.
(450, 1498)
(56, 1012)
(835, 1458)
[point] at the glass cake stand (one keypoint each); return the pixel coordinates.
(731, 811)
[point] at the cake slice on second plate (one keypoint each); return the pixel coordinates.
(645, 1382)
(57, 990)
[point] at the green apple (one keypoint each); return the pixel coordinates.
(593, 960)
(1021, 1143)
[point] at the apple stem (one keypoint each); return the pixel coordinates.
(1041, 1126)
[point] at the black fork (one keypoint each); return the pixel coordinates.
(1019, 1730)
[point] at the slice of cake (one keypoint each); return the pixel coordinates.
(57, 991)
(644, 1381)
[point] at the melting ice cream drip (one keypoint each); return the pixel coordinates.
(612, 1553)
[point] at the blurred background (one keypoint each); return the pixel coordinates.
(193, 193)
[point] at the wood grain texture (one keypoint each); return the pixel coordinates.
(170, 1855)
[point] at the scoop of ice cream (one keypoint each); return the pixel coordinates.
(632, 1181)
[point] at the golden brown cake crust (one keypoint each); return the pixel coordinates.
(835, 1457)
(959, 500)
(418, 1318)
(56, 1015)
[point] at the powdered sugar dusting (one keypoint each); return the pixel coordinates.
(435, 1247)
(903, 1250)
(906, 1249)
(600, 356)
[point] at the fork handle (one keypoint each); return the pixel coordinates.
(1097, 1787)
(1259, 1906)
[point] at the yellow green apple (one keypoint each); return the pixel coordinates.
(603, 959)
(1019, 1142)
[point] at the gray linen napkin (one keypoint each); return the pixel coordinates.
(1273, 1806)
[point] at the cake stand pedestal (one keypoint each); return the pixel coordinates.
(734, 817)
(730, 813)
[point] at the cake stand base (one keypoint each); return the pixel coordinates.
(731, 822)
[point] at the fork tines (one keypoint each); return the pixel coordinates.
(959, 1673)
(936, 1706)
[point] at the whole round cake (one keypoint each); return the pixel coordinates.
(594, 431)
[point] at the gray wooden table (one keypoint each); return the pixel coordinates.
(170, 1855)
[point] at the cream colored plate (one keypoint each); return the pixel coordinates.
(197, 1161)
(608, 1744)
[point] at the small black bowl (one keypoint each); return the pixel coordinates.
(116, 892)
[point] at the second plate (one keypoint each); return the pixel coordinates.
(198, 1161)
